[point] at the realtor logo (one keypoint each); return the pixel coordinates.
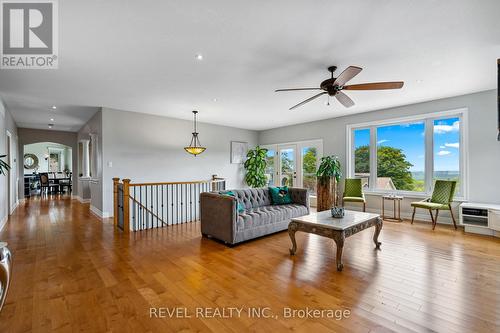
(29, 34)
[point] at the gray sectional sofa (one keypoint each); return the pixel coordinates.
(221, 220)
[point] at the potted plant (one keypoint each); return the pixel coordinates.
(4, 167)
(328, 174)
(255, 167)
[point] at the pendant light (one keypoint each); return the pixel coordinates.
(195, 147)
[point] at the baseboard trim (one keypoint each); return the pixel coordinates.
(97, 212)
(80, 199)
(16, 204)
(407, 215)
(3, 222)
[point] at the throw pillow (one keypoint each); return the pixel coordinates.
(280, 195)
(239, 206)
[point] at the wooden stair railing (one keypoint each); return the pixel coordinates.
(140, 206)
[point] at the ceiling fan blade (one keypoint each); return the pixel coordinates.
(294, 89)
(376, 86)
(344, 99)
(347, 75)
(308, 100)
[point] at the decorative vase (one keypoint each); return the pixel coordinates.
(337, 212)
(5, 271)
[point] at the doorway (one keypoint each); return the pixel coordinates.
(48, 169)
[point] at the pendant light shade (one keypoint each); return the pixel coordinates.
(195, 148)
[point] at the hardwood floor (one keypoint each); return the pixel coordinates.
(73, 272)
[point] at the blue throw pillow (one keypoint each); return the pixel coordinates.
(280, 195)
(239, 206)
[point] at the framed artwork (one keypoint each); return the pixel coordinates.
(238, 152)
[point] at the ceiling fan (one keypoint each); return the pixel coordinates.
(334, 86)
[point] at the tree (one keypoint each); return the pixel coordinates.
(391, 162)
(362, 159)
(309, 161)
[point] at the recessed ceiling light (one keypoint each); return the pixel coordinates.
(199, 56)
(54, 107)
(215, 99)
(51, 119)
(51, 125)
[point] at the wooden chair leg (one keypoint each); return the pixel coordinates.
(435, 219)
(432, 218)
(364, 206)
(413, 215)
(453, 217)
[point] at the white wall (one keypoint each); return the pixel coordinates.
(484, 149)
(147, 148)
(91, 189)
(7, 124)
(40, 150)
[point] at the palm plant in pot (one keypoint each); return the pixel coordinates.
(328, 175)
(255, 167)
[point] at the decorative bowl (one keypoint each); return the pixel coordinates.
(337, 212)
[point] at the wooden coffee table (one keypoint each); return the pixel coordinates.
(338, 229)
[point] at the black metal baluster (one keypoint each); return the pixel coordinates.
(166, 190)
(146, 208)
(151, 213)
(182, 203)
(162, 220)
(133, 213)
(172, 202)
(177, 203)
(141, 224)
(195, 199)
(190, 202)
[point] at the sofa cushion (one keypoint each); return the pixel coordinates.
(239, 205)
(253, 197)
(259, 216)
(280, 195)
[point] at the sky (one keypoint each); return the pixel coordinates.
(411, 139)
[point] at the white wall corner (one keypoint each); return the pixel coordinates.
(97, 212)
(80, 199)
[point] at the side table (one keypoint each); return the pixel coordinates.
(396, 199)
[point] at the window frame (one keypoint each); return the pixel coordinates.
(428, 119)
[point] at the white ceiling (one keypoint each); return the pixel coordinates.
(140, 56)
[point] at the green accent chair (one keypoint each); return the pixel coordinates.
(353, 192)
(442, 197)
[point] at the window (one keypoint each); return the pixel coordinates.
(270, 168)
(362, 156)
(408, 155)
(401, 157)
(287, 162)
(447, 150)
(309, 165)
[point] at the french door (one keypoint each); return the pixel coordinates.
(294, 164)
(287, 166)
